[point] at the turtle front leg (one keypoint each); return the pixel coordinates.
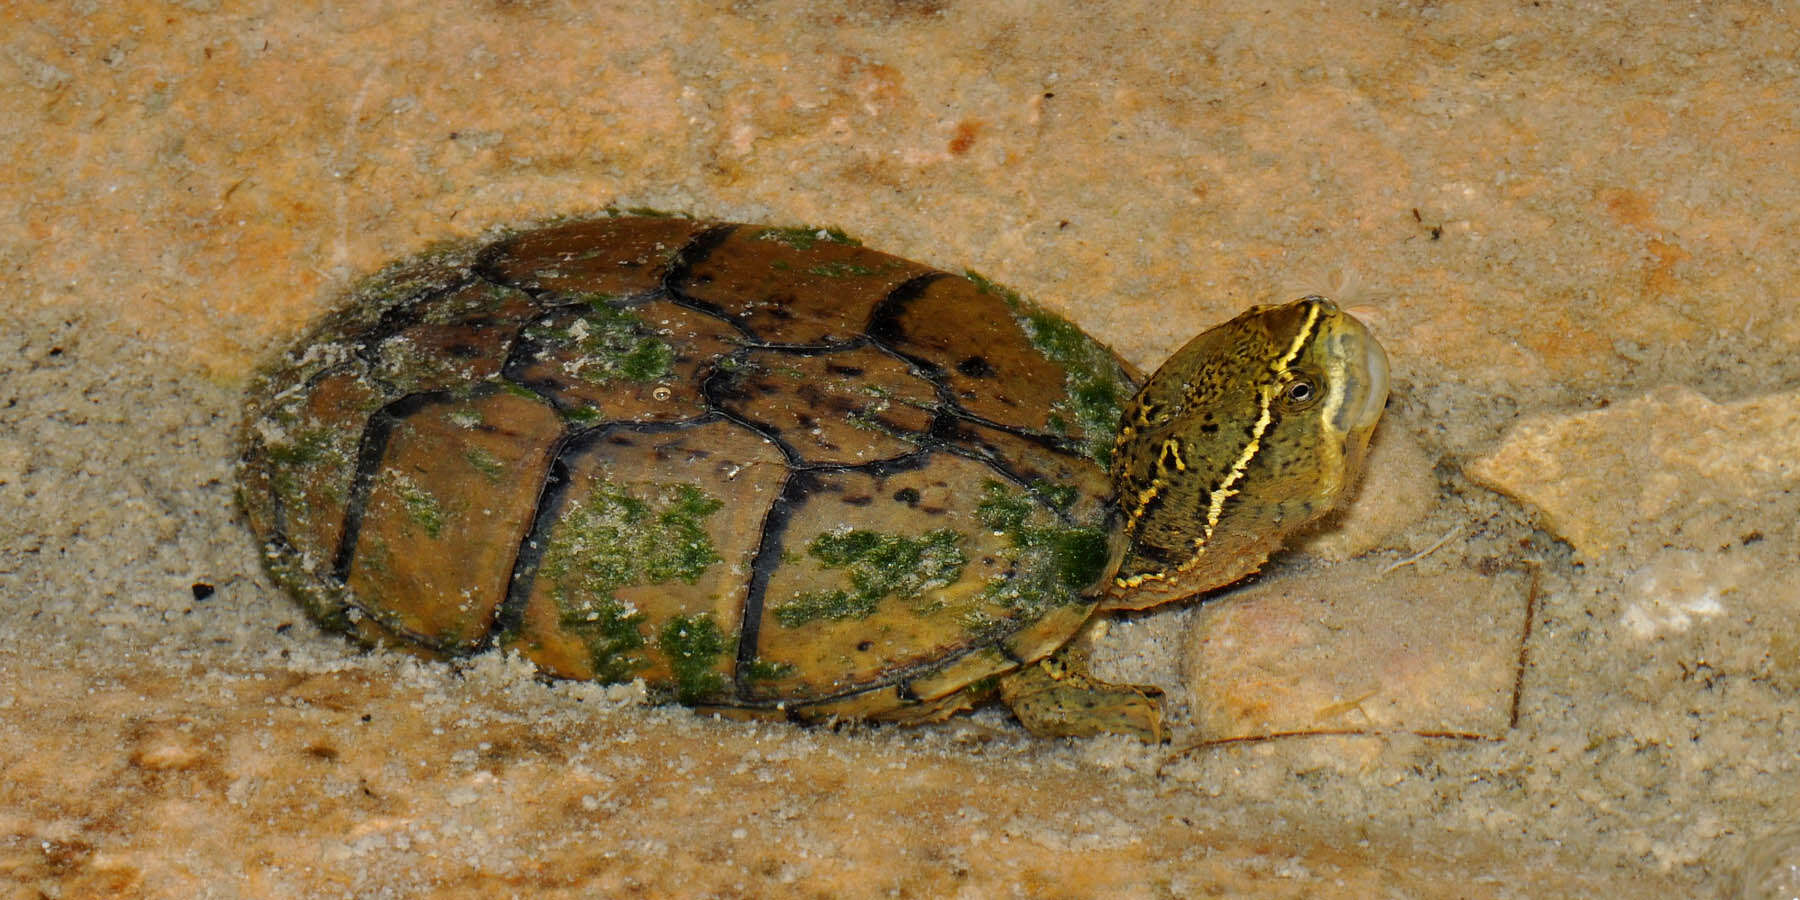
(1058, 697)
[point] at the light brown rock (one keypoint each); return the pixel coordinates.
(1670, 467)
(1355, 649)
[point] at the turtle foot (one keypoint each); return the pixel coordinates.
(1053, 698)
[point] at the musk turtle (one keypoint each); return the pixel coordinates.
(770, 471)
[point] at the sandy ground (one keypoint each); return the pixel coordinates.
(1550, 653)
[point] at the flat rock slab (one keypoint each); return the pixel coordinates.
(1353, 651)
(1670, 468)
(359, 783)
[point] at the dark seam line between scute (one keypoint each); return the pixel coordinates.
(712, 383)
(510, 617)
(881, 468)
(369, 452)
(278, 524)
(709, 384)
(521, 348)
(923, 369)
(762, 567)
(713, 311)
(696, 251)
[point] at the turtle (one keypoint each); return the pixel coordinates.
(774, 473)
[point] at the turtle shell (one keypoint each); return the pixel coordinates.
(758, 468)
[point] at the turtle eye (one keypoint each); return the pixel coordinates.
(1299, 393)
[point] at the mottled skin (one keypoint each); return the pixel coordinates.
(1249, 432)
(773, 473)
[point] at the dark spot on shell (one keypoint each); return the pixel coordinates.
(858, 499)
(908, 496)
(202, 590)
(840, 369)
(975, 367)
(865, 646)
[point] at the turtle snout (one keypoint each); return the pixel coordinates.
(1365, 379)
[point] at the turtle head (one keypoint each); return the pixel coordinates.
(1249, 432)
